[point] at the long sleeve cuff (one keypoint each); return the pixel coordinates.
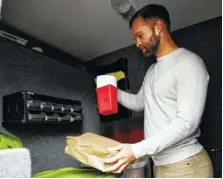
(119, 95)
(137, 150)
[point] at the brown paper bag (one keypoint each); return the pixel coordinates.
(91, 149)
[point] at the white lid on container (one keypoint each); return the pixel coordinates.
(104, 80)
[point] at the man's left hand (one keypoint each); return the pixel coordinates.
(122, 159)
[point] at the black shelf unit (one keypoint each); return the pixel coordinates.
(31, 108)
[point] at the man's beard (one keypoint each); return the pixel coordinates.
(152, 45)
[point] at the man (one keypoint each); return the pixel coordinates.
(173, 96)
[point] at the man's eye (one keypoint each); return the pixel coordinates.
(140, 36)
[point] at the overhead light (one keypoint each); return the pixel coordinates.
(38, 49)
(14, 38)
(124, 7)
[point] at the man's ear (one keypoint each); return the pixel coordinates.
(159, 27)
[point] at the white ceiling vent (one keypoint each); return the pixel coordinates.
(124, 7)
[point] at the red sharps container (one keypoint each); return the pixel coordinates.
(107, 95)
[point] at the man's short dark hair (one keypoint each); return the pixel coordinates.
(152, 11)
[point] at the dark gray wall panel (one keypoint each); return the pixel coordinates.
(22, 69)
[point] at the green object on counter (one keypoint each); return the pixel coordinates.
(74, 172)
(8, 141)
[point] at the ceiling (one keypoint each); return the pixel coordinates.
(90, 28)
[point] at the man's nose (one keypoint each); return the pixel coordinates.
(138, 43)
